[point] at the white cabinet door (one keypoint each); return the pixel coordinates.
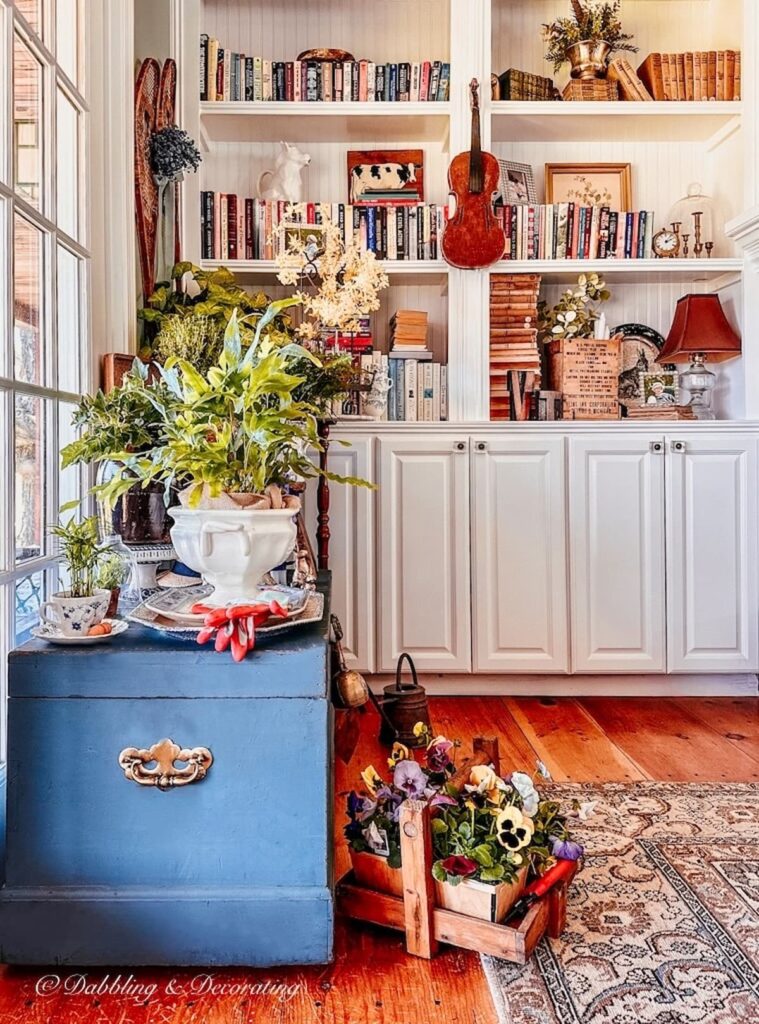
(713, 609)
(423, 557)
(519, 564)
(617, 557)
(351, 546)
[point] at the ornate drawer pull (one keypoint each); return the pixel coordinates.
(165, 775)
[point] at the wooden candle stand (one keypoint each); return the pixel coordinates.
(415, 913)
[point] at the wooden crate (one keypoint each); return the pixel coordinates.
(590, 407)
(426, 925)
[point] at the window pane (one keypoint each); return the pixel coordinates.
(29, 595)
(69, 338)
(67, 165)
(27, 301)
(32, 11)
(67, 36)
(69, 479)
(27, 104)
(30, 477)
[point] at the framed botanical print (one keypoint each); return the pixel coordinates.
(590, 185)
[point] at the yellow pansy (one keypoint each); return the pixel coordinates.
(420, 729)
(482, 779)
(371, 779)
(513, 828)
(399, 753)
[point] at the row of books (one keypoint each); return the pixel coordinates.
(419, 389)
(703, 75)
(225, 76)
(234, 227)
(522, 85)
(568, 231)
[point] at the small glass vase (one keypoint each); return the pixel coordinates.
(589, 59)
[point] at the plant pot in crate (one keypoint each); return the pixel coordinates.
(481, 899)
(373, 872)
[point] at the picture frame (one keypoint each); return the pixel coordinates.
(311, 235)
(659, 388)
(393, 177)
(591, 184)
(516, 183)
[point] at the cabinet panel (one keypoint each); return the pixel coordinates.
(519, 570)
(712, 554)
(617, 558)
(423, 568)
(351, 547)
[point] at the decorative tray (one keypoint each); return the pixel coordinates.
(311, 610)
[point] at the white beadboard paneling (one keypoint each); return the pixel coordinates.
(384, 30)
(663, 26)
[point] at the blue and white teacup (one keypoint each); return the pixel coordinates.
(74, 616)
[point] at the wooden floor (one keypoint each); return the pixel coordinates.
(372, 980)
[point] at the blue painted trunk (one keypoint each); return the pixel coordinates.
(233, 869)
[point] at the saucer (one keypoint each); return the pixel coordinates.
(46, 631)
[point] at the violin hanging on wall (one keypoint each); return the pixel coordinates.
(473, 238)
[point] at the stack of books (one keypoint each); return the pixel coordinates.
(703, 75)
(513, 336)
(238, 228)
(660, 412)
(408, 330)
(228, 76)
(568, 231)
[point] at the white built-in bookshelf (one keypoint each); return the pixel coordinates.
(669, 145)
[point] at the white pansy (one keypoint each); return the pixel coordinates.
(523, 784)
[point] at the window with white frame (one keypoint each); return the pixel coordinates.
(44, 270)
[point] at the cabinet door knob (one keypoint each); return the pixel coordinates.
(656, 447)
(482, 446)
(677, 446)
(460, 446)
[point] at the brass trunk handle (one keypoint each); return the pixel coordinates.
(165, 775)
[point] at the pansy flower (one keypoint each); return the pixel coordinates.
(461, 866)
(484, 786)
(390, 802)
(513, 829)
(523, 784)
(409, 778)
(566, 849)
(371, 779)
(438, 754)
(399, 753)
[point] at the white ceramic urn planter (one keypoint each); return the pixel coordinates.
(233, 549)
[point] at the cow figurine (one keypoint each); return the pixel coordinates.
(285, 181)
(387, 177)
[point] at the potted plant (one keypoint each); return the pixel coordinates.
(83, 605)
(373, 832)
(113, 427)
(232, 440)
(574, 315)
(497, 832)
(587, 39)
(111, 573)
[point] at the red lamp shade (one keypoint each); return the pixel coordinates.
(700, 325)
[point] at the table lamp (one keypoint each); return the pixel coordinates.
(700, 330)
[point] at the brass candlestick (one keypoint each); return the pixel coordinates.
(698, 248)
(709, 247)
(685, 244)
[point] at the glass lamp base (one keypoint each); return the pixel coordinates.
(699, 383)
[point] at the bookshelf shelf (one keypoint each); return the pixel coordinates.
(653, 271)
(559, 121)
(407, 271)
(325, 122)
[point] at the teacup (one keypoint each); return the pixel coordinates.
(74, 616)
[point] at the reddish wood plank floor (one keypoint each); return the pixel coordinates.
(372, 980)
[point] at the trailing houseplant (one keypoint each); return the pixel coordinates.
(576, 313)
(588, 38)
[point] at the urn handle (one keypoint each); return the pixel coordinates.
(209, 530)
(165, 775)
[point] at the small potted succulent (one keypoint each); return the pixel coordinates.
(111, 574)
(80, 609)
(587, 39)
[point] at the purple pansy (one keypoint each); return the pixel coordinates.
(438, 757)
(390, 802)
(567, 849)
(409, 778)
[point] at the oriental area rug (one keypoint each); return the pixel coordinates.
(663, 920)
